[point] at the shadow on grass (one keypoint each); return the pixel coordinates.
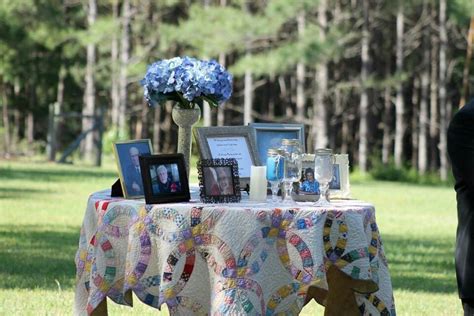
(13, 193)
(37, 257)
(421, 264)
(54, 174)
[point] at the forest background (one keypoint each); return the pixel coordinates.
(377, 79)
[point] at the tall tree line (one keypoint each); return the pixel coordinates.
(377, 79)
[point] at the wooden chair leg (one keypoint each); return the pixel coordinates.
(101, 309)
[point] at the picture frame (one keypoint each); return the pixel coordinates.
(219, 180)
(307, 189)
(339, 188)
(127, 155)
(269, 135)
(224, 142)
(164, 178)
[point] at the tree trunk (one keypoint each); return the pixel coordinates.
(423, 117)
(206, 114)
(364, 98)
(443, 39)
(434, 99)
(6, 119)
(248, 97)
(167, 127)
(399, 102)
(114, 60)
(338, 110)
(220, 109)
(345, 133)
(29, 123)
(88, 148)
(222, 57)
(157, 129)
(54, 119)
(414, 121)
(140, 127)
(272, 98)
(387, 118)
(124, 57)
(15, 138)
(300, 75)
(320, 136)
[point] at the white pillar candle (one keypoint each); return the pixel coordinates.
(258, 183)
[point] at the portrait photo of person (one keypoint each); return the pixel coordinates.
(127, 155)
(165, 179)
(335, 183)
(308, 183)
(218, 181)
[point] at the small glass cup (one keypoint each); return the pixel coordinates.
(292, 166)
(275, 164)
(323, 169)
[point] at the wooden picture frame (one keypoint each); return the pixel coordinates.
(269, 135)
(127, 155)
(164, 178)
(236, 142)
(219, 180)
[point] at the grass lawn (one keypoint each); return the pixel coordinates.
(42, 206)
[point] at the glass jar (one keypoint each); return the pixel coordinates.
(275, 170)
(323, 171)
(292, 165)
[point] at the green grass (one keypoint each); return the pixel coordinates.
(42, 206)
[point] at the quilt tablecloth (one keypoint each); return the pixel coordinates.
(232, 259)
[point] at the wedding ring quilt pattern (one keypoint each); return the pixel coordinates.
(225, 260)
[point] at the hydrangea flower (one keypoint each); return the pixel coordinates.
(187, 81)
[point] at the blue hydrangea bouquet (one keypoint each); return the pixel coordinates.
(188, 81)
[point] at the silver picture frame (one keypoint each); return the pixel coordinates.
(269, 135)
(236, 142)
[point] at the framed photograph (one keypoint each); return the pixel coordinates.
(127, 157)
(219, 180)
(339, 186)
(269, 135)
(225, 142)
(307, 189)
(164, 178)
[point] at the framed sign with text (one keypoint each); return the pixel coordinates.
(229, 142)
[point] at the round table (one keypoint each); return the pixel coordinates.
(217, 259)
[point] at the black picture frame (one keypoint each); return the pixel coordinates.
(209, 172)
(172, 190)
